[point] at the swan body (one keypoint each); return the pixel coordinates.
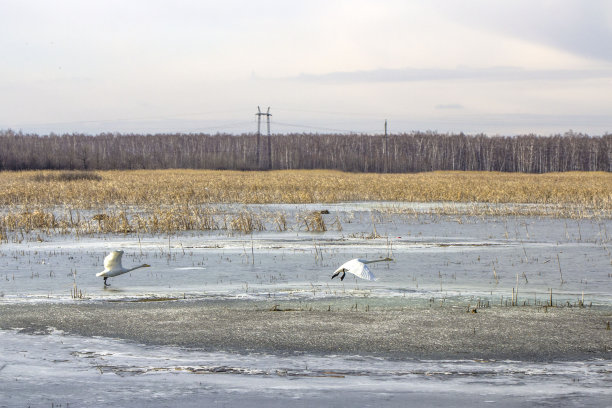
(112, 266)
(359, 268)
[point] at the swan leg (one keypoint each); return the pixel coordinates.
(106, 284)
(343, 275)
(335, 274)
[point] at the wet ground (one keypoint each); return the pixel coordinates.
(333, 327)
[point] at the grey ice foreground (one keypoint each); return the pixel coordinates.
(58, 369)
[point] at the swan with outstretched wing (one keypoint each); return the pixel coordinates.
(359, 268)
(112, 266)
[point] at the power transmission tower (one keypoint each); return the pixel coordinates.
(386, 149)
(259, 114)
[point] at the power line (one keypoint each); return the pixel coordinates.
(333, 113)
(315, 127)
(156, 124)
(201, 129)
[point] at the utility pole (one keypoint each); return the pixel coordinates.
(268, 114)
(259, 114)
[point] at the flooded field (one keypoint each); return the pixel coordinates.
(435, 256)
(541, 272)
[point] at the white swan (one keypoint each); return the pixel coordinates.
(358, 268)
(112, 266)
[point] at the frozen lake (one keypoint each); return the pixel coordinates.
(455, 260)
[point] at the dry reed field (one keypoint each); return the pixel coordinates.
(197, 187)
(159, 201)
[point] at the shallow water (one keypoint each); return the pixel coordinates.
(453, 257)
(455, 260)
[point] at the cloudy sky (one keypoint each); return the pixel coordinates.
(493, 66)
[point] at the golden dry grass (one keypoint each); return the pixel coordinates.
(197, 187)
(167, 201)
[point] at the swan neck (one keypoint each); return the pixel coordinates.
(378, 260)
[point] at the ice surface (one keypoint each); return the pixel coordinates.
(53, 368)
(434, 256)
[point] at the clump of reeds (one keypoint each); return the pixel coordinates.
(246, 222)
(75, 292)
(312, 221)
(111, 222)
(280, 221)
(29, 220)
(69, 175)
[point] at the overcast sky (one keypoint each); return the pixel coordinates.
(493, 66)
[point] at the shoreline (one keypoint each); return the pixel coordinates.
(332, 327)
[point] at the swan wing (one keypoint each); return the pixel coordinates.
(359, 269)
(113, 261)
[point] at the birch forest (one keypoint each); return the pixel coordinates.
(396, 153)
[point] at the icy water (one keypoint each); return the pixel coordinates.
(41, 370)
(453, 260)
(457, 257)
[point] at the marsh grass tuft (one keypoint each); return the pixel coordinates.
(75, 292)
(312, 221)
(246, 222)
(63, 176)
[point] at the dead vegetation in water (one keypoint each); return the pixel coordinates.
(312, 221)
(15, 225)
(245, 222)
(571, 211)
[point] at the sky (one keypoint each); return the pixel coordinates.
(499, 67)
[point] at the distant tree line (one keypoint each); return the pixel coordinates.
(411, 152)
